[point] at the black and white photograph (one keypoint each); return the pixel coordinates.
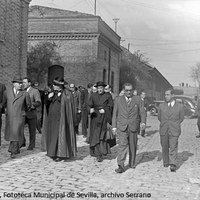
(100, 99)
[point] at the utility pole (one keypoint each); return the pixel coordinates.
(95, 7)
(116, 20)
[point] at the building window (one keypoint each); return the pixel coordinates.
(104, 75)
(105, 55)
(112, 80)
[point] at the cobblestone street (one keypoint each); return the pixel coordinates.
(33, 171)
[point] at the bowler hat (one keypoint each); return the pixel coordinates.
(100, 83)
(17, 79)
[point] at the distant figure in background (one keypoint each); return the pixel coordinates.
(94, 88)
(135, 92)
(121, 93)
(77, 105)
(143, 100)
(16, 102)
(39, 108)
(2, 89)
(198, 115)
(109, 90)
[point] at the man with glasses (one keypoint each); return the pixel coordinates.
(128, 110)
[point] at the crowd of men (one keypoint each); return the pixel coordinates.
(58, 111)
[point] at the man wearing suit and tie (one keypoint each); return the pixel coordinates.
(170, 115)
(16, 103)
(31, 115)
(127, 113)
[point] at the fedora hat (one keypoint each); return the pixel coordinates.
(100, 83)
(17, 79)
(59, 81)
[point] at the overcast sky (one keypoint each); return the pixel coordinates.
(167, 31)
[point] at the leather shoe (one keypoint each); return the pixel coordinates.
(12, 155)
(173, 168)
(132, 166)
(99, 159)
(120, 170)
(166, 165)
(30, 149)
(198, 136)
(58, 159)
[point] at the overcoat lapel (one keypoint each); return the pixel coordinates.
(18, 96)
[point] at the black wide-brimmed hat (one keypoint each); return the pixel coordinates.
(100, 83)
(17, 79)
(59, 81)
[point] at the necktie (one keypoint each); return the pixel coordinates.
(128, 100)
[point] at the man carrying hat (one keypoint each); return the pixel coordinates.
(100, 104)
(60, 135)
(16, 103)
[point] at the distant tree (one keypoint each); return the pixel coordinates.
(39, 58)
(133, 69)
(195, 74)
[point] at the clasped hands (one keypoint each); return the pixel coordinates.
(102, 111)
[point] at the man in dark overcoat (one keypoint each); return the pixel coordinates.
(16, 103)
(170, 115)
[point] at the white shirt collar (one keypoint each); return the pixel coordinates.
(28, 89)
(127, 98)
(172, 103)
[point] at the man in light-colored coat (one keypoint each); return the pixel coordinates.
(16, 103)
(127, 113)
(170, 115)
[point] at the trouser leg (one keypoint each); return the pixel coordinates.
(122, 148)
(32, 125)
(165, 148)
(132, 148)
(173, 149)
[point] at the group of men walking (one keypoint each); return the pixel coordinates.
(98, 109)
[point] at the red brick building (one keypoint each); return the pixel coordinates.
(89, 48)
(13, 39)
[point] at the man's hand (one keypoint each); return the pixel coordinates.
(114, 131)
(79, 111)
(59, 93)
(142, 126)
(50, 95)
(102, 111)
(91, 110)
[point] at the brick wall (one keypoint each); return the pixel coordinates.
(13, 39)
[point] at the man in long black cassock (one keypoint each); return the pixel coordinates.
(61, 138)
(100, 104)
